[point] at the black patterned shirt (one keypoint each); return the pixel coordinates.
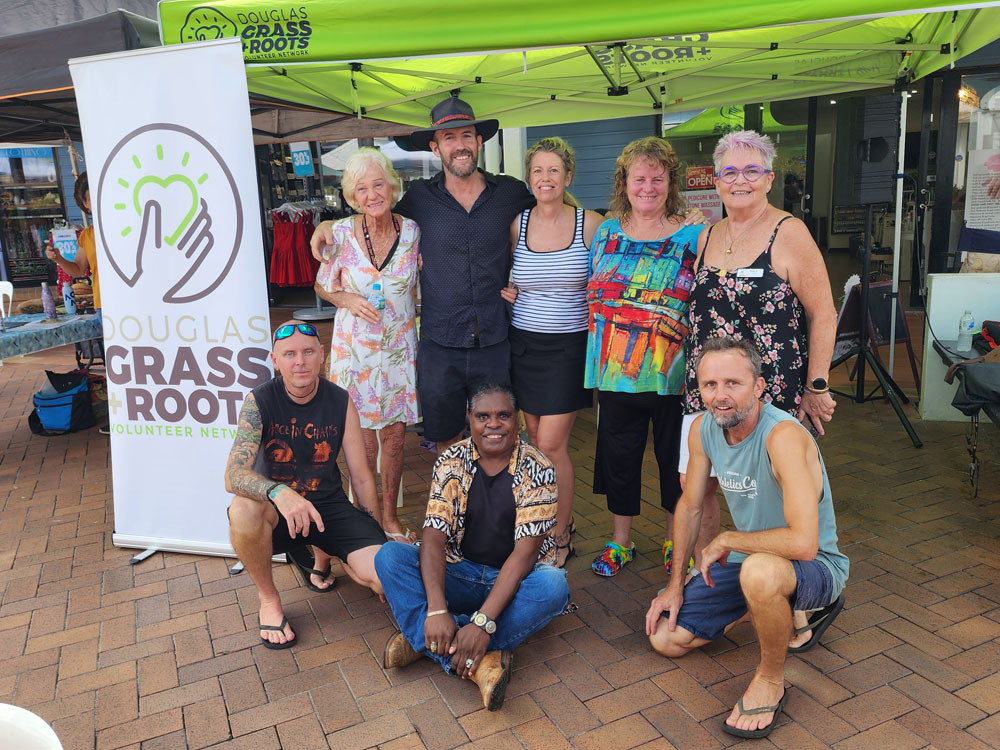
(466, 258)
(534, 487)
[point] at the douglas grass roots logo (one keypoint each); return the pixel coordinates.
(168, 209)
(267, 32)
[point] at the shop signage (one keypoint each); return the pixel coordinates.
(64, 240)
(186, 325)
(302, 160)
(25, 153)
(700, 178)
(707, 200)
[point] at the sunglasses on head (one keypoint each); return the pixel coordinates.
(751, 173)
(287, 330)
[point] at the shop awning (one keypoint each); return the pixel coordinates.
(526, 62)
(36, 92)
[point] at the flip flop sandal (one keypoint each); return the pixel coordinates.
(668, 557)
(395, 536)
(754, 734)
(818, 624)
(277, 646)
(306, 569)
(612, 559)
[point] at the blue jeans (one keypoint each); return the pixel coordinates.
(542, 595)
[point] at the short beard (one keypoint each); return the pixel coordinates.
(456, 172)
(734, 419)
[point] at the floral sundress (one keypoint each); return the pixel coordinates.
(375, 363)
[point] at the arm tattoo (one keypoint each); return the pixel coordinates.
(241, 479)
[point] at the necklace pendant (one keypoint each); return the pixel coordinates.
(729, 251)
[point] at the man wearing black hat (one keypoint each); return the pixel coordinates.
(464, 214)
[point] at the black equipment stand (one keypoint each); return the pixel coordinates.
(892, 392)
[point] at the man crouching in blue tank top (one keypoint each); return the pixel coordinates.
(781, 564)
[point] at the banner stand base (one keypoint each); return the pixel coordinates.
(160, 544)
(143, 555)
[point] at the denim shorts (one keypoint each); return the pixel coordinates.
(707, 611)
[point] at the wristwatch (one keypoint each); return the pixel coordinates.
(483, 621)
(818, 385)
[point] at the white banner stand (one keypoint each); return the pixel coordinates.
(186, 324)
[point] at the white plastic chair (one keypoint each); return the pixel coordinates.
(6, 297)
(24, 730)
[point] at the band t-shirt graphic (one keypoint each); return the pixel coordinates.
(300, 442)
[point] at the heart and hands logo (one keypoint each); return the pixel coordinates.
(164, 201)
(206, 23)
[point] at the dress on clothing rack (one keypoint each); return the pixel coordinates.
(292, 263)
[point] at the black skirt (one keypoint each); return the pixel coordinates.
(547, 371)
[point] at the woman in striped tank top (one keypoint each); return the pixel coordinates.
(548, 334)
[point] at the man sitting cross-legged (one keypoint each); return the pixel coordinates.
(283, 470)
(783, 554)
(476, 587)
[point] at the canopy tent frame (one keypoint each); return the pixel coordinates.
(400, 60)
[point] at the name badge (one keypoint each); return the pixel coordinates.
(751, 273)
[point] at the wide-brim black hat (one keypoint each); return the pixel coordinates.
(448, 114)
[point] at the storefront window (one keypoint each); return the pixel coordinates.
(695, 141)
(30, 202)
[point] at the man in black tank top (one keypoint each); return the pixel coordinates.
(289, 493)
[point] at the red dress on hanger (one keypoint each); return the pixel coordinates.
(292, 263)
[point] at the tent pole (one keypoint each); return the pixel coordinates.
(897, 230)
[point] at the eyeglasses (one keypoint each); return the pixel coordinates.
(285, 331)
(751, 173)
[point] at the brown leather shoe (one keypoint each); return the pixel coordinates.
(398, 652)
(492, 676)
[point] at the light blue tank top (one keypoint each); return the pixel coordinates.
(753, 494)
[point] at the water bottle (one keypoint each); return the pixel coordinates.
(966, 327)
(48, 304)
(376, 299)
(69, 298)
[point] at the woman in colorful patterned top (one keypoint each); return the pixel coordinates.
(374, 346)
(642, 270)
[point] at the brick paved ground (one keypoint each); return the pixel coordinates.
(164, 654)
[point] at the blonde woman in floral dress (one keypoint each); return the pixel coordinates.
(373, 352)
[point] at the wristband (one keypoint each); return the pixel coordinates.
(438, 612)
(270, 494)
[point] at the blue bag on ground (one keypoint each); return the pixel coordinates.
(62, 406)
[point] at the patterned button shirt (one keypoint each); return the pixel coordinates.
(534, 489)
(466, 258)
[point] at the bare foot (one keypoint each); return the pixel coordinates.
(799, 620)
(759, 692)
(272, 614)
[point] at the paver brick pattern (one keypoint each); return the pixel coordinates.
(165, 654)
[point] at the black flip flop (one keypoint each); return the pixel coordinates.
(818, 624)
(281, 627)
(305, 566)
(756, 734)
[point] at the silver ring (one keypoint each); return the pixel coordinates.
(469, 663)
(434, 646)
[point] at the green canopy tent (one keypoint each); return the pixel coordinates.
(530, 63)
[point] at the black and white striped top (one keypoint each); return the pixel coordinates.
(552, 286)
